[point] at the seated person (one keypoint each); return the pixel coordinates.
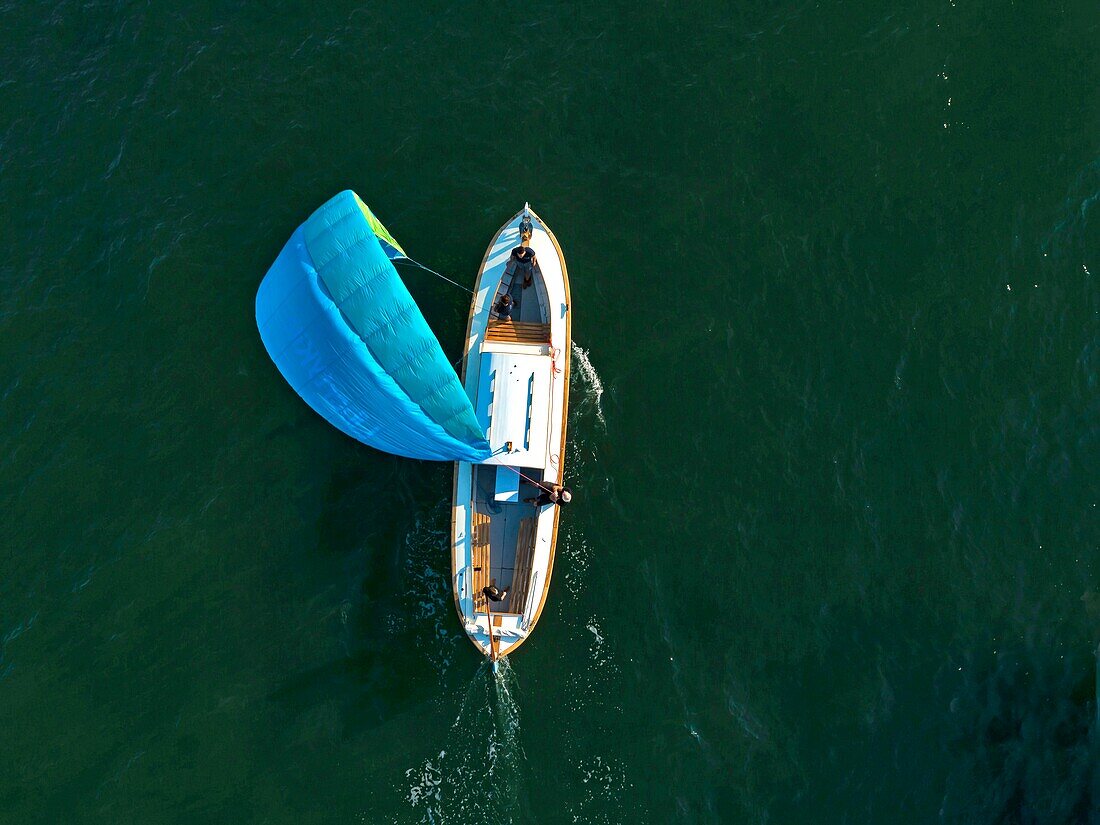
(504, 307)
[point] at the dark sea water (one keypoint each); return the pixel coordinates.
(835, 419)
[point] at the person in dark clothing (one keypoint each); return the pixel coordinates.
(493, 594)
(523, 262)
(504, 307)
(557, 494)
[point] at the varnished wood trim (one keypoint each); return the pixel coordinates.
(525, 552)
(566, 354)
(454, 541)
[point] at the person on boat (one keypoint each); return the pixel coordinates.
(523, 262)
(557, 494)
(504, 306)
(493, 594)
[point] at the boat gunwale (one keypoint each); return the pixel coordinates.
(566, 355)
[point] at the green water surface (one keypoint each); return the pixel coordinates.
(835, 419)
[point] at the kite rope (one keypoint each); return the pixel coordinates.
(538, 484)
(407, 259)
(433, 272)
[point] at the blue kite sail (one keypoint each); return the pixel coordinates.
(346, 334)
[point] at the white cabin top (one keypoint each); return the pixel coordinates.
(512, 386)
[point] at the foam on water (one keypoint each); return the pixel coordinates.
(478, 772)
(507, 710)
(599, 650)
(592, 681)
(603, 781)
(578, 557)
(591, 686)
(593, 386)
(584, 459)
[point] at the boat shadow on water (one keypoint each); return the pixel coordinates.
(382, 563)
(1023, 735)
(367, 689)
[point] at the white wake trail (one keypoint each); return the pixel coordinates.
(477, 773)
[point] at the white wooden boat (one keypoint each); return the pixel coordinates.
(516, 373)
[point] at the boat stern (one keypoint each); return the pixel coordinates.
(506, 627)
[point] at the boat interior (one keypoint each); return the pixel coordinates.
(530, 318)
(504, 519)
(503, 531)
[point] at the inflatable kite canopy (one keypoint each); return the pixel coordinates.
(346, 334)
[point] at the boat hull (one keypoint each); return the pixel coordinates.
(517, 376)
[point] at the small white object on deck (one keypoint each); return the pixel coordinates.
(507, 488)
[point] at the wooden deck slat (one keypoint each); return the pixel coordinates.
(519, 332)
(525, 552)
(479, 542)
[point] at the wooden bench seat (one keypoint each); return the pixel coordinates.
(479, 557)
(525, 553)
(517, 332)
